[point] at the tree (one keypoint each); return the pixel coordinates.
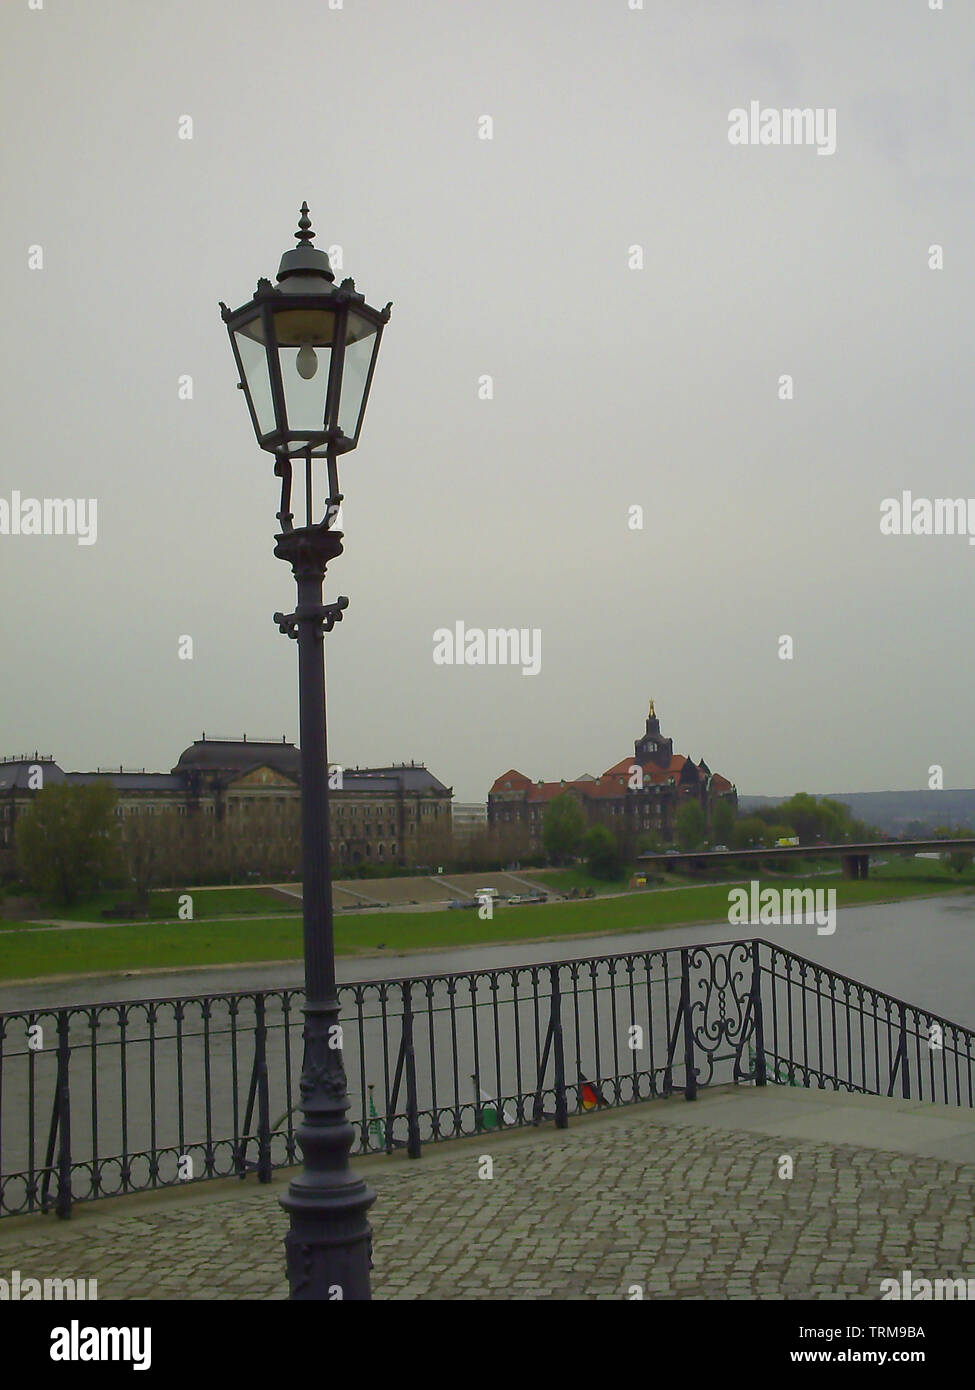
(801, 815)
(722, 823)
(815, 819)
(958, 860)
(148, 845)
(563, 827)
(435, 844)
(748, 832)
(602, 854)
(689, 826)
(66, 840)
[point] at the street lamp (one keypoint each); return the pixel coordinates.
(305, 350)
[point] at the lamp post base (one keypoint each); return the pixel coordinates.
(329, 1246)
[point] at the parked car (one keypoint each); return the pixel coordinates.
(487, 893)
(462, 902)
(721, 849)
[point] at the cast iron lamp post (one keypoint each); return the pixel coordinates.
(305, 350)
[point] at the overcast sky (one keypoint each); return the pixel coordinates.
(613, 387)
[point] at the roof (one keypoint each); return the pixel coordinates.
(233, 758)
(239, 755)
(414, 778)
(129, 781)
(14, 774)
(593, 789)
(666, 767)
(512, 781)
(613, 783)
(652, 772)
(364, 783)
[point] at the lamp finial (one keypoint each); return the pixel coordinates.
(304, 234)
(305, 259)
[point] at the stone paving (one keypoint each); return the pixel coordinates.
(682, 1209)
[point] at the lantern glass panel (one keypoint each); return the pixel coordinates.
(360, 344)
(257, 378)
(304, 376)
(304, 339)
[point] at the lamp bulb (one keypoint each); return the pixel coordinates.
(306, 362)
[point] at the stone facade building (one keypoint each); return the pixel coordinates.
(378, 815)
(635, 796)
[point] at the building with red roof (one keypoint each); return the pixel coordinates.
(636, 796)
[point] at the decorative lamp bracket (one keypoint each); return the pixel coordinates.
(324, 616)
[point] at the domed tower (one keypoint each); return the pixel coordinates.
(653, 747)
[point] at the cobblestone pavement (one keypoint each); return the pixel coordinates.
(684, 1211)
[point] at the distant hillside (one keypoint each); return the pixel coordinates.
(915, 813)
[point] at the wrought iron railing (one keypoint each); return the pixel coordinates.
(100, 1099)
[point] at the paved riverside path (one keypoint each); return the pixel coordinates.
(683, 1199)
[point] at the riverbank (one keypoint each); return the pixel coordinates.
(29, 955)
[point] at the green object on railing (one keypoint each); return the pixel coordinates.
(376, 1125)
(772, 1073)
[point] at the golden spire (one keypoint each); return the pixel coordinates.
(651, 715)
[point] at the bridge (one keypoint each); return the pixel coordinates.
(855, 859)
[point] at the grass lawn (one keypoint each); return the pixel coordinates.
(561, 880)
(33, 953)
(163, 904)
